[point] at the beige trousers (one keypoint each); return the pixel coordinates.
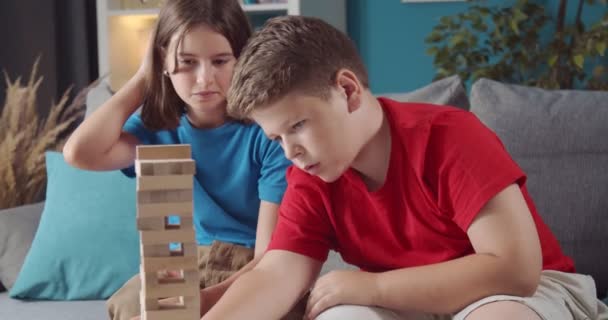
(560, 296)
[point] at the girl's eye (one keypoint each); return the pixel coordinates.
(277, 139)
(186, 62)
(219, 62)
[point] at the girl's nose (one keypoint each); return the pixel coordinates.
(204, 74)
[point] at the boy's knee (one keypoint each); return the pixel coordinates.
(503, 310)
(353, 312)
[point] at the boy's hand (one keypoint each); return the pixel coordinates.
(210, 296)
(163, 302)
(341, 287)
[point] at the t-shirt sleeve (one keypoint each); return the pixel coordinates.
(135, 126)
(466, 165)
(303, 225)
(272, 183)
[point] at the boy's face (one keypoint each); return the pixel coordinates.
(315, 134)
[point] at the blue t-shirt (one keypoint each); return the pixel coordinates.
(236, 167)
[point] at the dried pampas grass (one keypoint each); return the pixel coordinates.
(25, 136)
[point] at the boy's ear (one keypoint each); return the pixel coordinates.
(350, 86)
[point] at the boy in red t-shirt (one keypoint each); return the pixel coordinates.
(423, 198)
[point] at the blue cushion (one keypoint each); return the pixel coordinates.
(87, 244)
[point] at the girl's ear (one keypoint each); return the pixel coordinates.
(167, 65)
(351, 88)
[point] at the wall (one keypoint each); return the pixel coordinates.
(27, 31)
(61, 33)
(390, 36)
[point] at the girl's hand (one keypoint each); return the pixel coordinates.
(341, 287)
(146, 62)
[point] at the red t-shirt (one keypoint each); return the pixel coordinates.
(445, 166)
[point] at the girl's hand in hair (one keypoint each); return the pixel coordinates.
(146, 62)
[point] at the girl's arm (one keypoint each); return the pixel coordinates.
(99, 142)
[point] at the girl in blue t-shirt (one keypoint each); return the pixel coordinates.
(240, 174)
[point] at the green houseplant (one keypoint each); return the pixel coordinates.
(522, 43)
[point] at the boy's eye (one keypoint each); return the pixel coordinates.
(277, 139)
(298, 125)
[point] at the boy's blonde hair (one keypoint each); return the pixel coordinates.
(291, 53)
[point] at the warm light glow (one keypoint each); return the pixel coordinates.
(128, 40)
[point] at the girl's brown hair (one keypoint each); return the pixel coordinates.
(162, 106)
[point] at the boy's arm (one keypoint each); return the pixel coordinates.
(269, 290)
(267, 220)
(266, 223)
(507, 260)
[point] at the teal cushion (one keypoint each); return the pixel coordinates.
(87, 244)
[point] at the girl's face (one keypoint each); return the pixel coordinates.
(201, 78)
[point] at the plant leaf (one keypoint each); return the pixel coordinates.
(579, 60)
(514, 26)
(600, 47)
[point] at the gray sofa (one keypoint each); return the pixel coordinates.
(560, 138)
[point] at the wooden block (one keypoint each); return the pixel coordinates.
(186, 222)
(153, 264)
(191, 302)
(165, 151)
(174, 182)
(190, 249)
(183, 208)
(160, 223)
(170, 290)
(148, 303)
(192, 313)
(154, 278)
(165, 167)
(163, 196)
(164, 250)
(188, 276)
(167, 236)
(151, 223)
(154, 250)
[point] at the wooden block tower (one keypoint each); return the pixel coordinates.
(169, 259)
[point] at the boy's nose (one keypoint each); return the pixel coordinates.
(291, 150)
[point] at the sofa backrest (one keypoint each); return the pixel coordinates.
(560, 139)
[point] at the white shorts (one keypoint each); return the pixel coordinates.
(560, 296)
